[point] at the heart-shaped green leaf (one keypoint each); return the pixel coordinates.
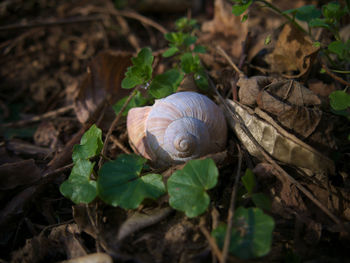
(79, 188)
(119, 182)
(90, 144)
(187, 187)
(251, 234)
(165, 84)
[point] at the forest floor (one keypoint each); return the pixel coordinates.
(62, 64)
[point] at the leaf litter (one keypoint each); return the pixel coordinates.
(52, 67)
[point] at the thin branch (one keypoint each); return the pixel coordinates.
(48, 115)
(119, 144)
(330, 73)
(231, 211)
(229, 60)
(212, 243)
(47, 23)
(114, 123)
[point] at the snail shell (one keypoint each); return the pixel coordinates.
(180, 127)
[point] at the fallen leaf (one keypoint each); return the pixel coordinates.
(288, 102)
(225, 29)
(293, 54)
(103, 80)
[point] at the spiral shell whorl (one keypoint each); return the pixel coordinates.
(185, 138)
(180, 127)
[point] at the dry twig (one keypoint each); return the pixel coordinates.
(231, 210)
(212, 243)
(47, 115)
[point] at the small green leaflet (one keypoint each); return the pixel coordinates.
(187, 187)
(137, 101)
(241, 7)
(261, 201)
(190, 63)
(339, 100)
(305, 13)
(119, 182)
(185, 24)
(141, 71)
(248, 181)
(170, 52)
(340, 48)
(165, 84)
(251, 233)
(199, 49)
(90, 144)
(79, 188)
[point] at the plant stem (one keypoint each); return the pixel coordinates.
(276, 9)
(114, 123)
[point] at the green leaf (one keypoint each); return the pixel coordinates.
(267, 40)
(305, 13)
(244, 18)
(119, 182)
(333, 11)
(185, 24)
(190, 63)
(170, 52)
(199, 49)
(251, 235)
(339, 100)
(239, 9)
(248, 181)
(187, 187)
(79, 188)
(90, 144)
(261, 201)
(319, 22)
(189, 40)
(176, 38)
(165, 84)
(200, 78)
(137, 101)
(141, 71)
(339, 48)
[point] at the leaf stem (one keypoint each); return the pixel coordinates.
(279, 11)
(114, 123)
(232, 209)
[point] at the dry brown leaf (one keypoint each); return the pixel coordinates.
(225, 29)
(294, 52)
(103, 79)
(288, 102)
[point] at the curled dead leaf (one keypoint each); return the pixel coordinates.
(294, 52)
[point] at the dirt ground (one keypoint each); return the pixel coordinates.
(62, 63)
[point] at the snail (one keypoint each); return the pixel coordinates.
(180, 127)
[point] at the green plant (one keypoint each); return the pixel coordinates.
(251, 235)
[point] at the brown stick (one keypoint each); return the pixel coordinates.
(47, 115)
(212, 243)
(47, 23)
(119, 144)
(231, 210)
(114, 123)
(330, 73)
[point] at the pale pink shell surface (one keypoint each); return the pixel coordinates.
(180, 127)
